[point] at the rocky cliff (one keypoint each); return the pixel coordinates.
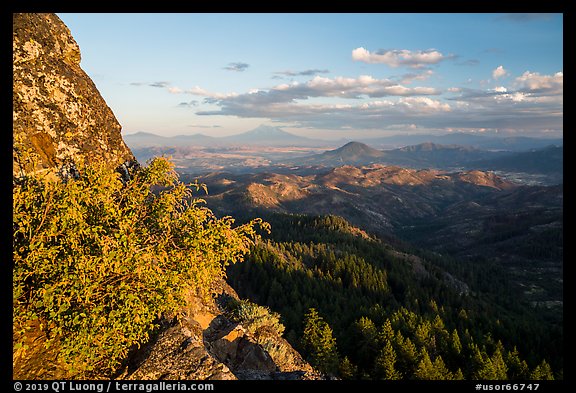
(61, 117)
(58, 112)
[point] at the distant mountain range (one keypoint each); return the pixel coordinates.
(516, 143)
(430, 155)
(424, 155)
(260, 136)
(200, 153)
(276, 137)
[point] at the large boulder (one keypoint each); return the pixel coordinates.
(58, 112)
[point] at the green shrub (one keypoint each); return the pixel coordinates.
(97, 261)
(255, 318)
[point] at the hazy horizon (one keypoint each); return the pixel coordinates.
(340, 137)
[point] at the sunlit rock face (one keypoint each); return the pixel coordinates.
(58, 112)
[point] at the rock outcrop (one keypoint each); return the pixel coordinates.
(58, 112)
(204, 343)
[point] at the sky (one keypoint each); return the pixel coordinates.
(331, 76)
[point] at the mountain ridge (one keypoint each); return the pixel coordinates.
(424, 155)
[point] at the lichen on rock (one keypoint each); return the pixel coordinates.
(58, 112)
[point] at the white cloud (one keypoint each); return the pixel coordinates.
(399, 57)
(342, 87)
(534, 82)
(364, 85)
(499, 72)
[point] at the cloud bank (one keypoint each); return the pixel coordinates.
(529, 101)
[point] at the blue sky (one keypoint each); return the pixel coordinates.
(327, 75)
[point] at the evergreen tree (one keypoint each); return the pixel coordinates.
(455, 344)
(434, 370)
(367, 342)
(542, 372)
(347, 370)
(319, 343)
(517, 369)
(344, 276)
(386, 333)
(440, 369)
(500, 368)
(425, 368)
(385, 365)
(483, 366)
(407, 356)
(458, 375)
(486, 372)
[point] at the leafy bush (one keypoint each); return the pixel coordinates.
(255, 318)
(96, 261)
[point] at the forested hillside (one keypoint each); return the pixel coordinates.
(361, 308)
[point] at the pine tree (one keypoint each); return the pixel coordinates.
(482, 365)
(347, 370)
(327, 354)
(319, 343)
(500, 368)
(455, 343)
(367, 342)
(517, 369)
(458, 375)
(423, 334)
(434, 370)
(440, 369)
(425, 368)
(407, 357)
(385, 365)
(543, 371)
(386, 333)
